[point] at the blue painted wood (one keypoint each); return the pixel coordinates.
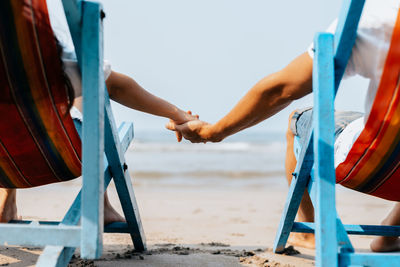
(38, 222)
(296, 191)
(117, 227)
(343, 240)
(93, 132)
(125, 129)
(35, 235)
(73, 12)
(122, 180)
(344, 38)
(345, 35)
(324, 171)
(87, 37)
(352, 229)
(312, 188)
(326, 224)
(61, 256)
(55, 256)
(369, 259)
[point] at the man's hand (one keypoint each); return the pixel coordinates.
(195, 131)
(183, 117)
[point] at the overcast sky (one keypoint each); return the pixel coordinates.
(204, 55)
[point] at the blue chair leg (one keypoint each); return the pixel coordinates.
(324, 170)
(93, 132)
(122, 180)
(297, 188)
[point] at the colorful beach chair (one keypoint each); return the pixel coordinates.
(39, 143)
(372, 165)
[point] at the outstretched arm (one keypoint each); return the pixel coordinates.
(128, 92)
(266, 98)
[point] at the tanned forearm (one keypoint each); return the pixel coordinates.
(266, 98)
(128, 92)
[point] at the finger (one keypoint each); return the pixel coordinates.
(178, 136)
(171, 126)
(189, 112)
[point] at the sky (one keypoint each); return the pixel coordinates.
(204, 55)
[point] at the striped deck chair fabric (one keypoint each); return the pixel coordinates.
(38, 140)
(372, 165)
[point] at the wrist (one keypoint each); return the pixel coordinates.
(213, 133)
(176, 115)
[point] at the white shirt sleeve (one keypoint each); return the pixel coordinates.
(71, 68)
(350, 71)
(373, 39)
(61, 31)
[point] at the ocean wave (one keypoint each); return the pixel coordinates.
(210, 147)
(208, 174)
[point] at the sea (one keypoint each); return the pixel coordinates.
(245, 159)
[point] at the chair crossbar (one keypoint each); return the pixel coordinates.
(352, 229)
(40, 235)
(117, 227)
(368, 259)
(125, 133)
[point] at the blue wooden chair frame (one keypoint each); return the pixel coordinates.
(103, 149)
(315, 169)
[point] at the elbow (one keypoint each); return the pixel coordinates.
(112, 86)
(111, 91)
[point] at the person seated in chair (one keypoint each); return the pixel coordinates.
(121, 88)
(276, 91)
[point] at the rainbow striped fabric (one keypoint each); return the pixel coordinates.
(38, 140)
(372, 166)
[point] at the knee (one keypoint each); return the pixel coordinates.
(289, 131)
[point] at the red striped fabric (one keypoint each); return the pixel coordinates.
(38, 140)
(372, 165)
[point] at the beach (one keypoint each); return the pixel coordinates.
(201, 205)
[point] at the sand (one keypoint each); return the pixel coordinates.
(194, 225)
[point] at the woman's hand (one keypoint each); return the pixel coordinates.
(181, 118)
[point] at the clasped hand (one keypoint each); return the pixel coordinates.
(193, 130)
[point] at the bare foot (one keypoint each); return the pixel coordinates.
(385, 244)
(388, 243)
(110, 214)
(8, 205)
(304, 240)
